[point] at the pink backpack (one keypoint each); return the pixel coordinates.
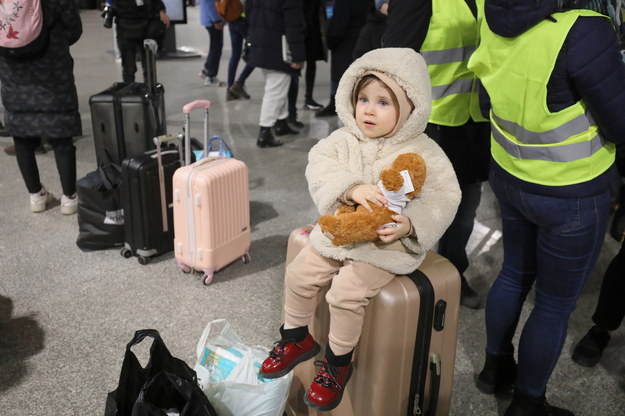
(22, 28)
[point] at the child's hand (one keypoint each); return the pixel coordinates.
(363, 194)
(390, 234)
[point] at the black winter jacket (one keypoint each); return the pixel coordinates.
(268, 21)
(39, 94)
(128, 9)
(589, 67)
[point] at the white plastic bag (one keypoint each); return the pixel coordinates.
(227, 371)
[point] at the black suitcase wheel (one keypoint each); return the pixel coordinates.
(126, 253)
(143, 260)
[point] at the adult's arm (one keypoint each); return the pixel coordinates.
(407, 23)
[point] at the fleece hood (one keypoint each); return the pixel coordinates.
(408, 70)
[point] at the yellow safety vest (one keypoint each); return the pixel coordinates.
(451, 39)
(527, 140)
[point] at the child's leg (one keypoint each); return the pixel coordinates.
(351, 290)
(352, 287)
(304, 276)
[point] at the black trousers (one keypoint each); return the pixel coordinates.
(610, 309)
(64, 156)
(130, 43)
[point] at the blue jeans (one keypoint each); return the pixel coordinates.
(216, 38)
(552, 243)
(238, 33)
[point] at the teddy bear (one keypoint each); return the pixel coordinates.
(351, 224)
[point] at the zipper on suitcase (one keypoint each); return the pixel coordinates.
(422, 342)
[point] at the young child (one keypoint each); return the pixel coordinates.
(384, 101)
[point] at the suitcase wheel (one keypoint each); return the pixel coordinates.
(246, 258)
(143, 260)
(126, 253)
(207, 278)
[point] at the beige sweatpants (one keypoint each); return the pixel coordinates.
(353, 283)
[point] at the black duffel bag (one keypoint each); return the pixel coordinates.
(100, 212)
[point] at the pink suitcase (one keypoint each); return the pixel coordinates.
(211, 208)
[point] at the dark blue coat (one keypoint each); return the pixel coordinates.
(268, 21)
(589, 67)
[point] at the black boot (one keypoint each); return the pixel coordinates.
(589, 349)
(311, 104)
(266, 139)
(293, 121)
(523, 405)
(499, 373)
(282, 128)
(468, 296)
(327, 111)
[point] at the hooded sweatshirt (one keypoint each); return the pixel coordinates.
(589, 67)
(347, 157)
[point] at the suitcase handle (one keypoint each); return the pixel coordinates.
(205, 104)
(165, 138)
(196, 104)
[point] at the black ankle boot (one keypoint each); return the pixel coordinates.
(282, 128)
(293, 121)
(498, 374)
(523, 405)
(589, 349)
(266, 139)
(327, 111)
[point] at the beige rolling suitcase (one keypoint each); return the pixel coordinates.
(404, 361)
(211, 208)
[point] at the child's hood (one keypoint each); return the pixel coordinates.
(408, 69)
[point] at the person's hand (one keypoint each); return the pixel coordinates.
(390, 234)
(297, 65)
(363, 194)
(164, 18)
(218, 25)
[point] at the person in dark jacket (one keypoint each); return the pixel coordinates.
(348, 16)
(271, 21)
(316, 50)
(554, 126)
(134, 24)
(454, 126)
(40, 100)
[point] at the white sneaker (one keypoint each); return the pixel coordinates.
(40, 200)
(69, 205)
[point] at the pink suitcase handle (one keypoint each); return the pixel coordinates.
(196, 104)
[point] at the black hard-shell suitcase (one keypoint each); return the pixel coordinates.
(127, 116)
(147, 201)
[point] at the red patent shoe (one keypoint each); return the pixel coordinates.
(326, 390)
(286, 355)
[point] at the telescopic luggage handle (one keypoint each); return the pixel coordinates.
(187, 109)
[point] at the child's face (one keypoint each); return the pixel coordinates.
(376, 110)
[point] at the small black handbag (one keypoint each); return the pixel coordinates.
(166, 384)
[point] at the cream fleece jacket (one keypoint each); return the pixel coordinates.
(347, 158)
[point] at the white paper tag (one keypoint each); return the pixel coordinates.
(408, 186)
(114, 217)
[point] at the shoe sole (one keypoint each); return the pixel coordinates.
(334, 403)
(304, 357)
(493, 388)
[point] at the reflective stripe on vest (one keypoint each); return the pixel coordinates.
(451, 39)
(563, 153)
(528, 140)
